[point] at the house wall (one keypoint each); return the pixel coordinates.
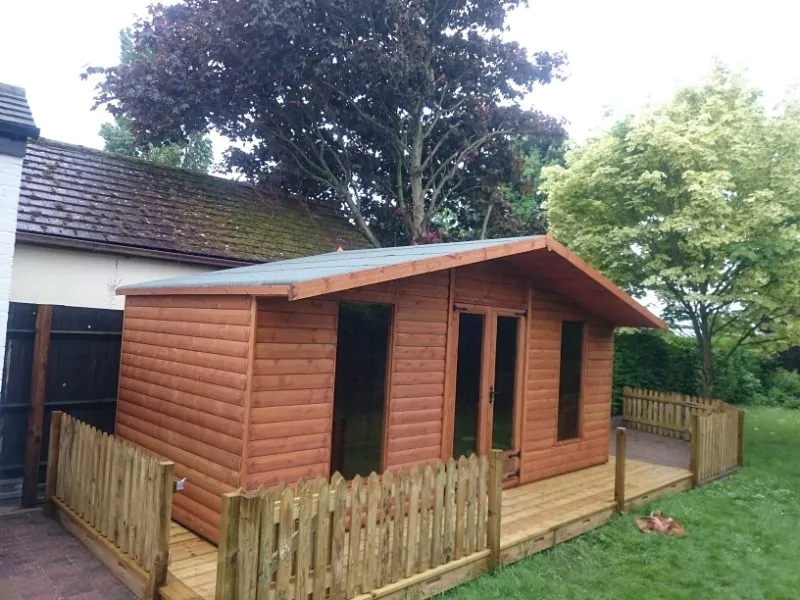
(183, 383)
(10, 178)
(84, 279)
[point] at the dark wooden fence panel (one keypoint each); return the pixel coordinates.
(82, 371)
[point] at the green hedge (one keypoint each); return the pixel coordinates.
(665, 361)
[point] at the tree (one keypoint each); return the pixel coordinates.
(513, 207)
(195, 154)
(399, 111)
(697, 202)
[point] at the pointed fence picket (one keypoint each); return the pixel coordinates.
(336, 540)
(667, 414)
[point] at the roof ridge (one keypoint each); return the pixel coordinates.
(43, 141)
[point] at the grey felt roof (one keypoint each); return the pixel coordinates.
(297, 270)
(16, 120)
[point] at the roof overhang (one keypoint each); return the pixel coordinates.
(549, 263)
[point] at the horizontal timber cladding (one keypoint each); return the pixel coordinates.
(292, 395)
(542, 455)
(182, 390)
(419, 338)
(491, 283)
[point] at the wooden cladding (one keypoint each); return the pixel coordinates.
(542, 455)
(292, 394)
(115, 491)
(182, 393)
(327, 539)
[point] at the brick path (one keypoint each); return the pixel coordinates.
(39, 560)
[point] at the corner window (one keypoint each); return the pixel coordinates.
(569, 387)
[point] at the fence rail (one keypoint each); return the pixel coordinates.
(668, 414)
(330, 540)
(117, 492)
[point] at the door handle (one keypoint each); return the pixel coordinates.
(491, 395)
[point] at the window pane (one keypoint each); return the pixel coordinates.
(569, 388)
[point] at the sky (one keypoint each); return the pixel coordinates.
(622, 53)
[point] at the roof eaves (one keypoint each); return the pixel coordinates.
(589, 271)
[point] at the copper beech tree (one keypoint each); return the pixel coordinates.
(402, 112)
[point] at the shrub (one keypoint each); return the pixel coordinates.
(783, 390)
(668, 362)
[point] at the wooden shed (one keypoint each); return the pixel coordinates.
(369, 360)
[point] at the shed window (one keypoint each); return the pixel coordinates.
(362, 349)
(569, 387)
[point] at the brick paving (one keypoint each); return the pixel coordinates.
(39, 560)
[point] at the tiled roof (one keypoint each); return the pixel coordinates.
(15, 116)
(72, 193)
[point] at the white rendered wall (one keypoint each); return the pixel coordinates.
(87, 279)
(10, 178)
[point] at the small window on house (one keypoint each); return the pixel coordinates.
(569, 387)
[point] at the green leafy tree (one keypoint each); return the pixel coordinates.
(697, 202)
(399, 111)
(194, 154)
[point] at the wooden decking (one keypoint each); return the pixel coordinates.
(534, 517)
(538, 515)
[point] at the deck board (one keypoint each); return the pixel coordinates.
(534, 517)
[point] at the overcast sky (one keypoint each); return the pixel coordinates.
(622, 53)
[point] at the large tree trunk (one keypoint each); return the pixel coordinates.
(417, 221)
(706, 356)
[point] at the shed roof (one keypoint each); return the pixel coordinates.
(544, 259)
(91, 199)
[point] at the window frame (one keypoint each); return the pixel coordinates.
(582, 379)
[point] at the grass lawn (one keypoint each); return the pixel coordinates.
(743, 538)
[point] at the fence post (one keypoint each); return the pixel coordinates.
(619, 464)
(33, 443)
(740, 441)
(51, 484)
(163, 487)
(495, 506)
(694, 464)
(227, 553)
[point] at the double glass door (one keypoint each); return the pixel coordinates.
(488, 384)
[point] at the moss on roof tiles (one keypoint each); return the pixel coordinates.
(161, 208)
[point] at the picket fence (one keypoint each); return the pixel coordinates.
(115, 495)
(330, 540)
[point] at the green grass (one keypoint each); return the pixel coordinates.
(743, 538)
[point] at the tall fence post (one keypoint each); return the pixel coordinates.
(495, 506)
(33, 443)
(52, 462)
(740, 441)
(227, 553)
(694, 464)
(619, 477)
(164, 485)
